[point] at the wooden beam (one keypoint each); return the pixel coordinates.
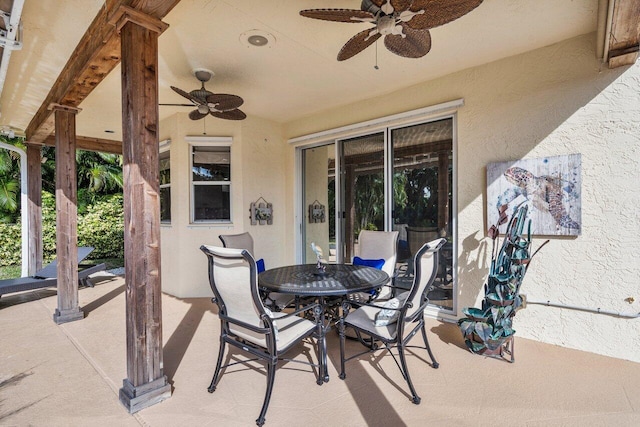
(91, 144)
(34, 208)
(146, 383)
(96, 55)
(66, 216)
(624, 39)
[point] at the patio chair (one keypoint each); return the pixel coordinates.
(392, 323)
(245, 322)
(48, 276)
(378, 249)
(274, 300)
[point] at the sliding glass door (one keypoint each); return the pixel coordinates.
(362, 174)
(319, 185)
(397, 178)
(423, 199)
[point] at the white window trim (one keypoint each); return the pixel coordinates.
(379, 124)
(165, 146)
(208, 141)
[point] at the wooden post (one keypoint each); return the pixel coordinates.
(145, 384)
(34, 207)
(67, 215)
(443, 190)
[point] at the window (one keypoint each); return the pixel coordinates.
(211, 182)
(165, 186)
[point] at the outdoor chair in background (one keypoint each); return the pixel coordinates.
(274, 300)
(245, 322)
(377, 249)
(48, 276)
(418, 236)
(395, 322)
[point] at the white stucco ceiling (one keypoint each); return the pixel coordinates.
(296, 76)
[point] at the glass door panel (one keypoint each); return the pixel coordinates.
(319, 202)
(422, 177)
(363, 180)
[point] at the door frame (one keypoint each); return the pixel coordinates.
(447, 110)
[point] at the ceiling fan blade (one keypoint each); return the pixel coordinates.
(196, 115)
(176, 105)
(416, 44)
(186, 95)
(339, 15)
(357, 44)
(439, 12)
(229, 115)
(225, 102)
(400, 5)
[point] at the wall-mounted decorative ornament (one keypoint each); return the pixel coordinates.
(261, 212)
(551, 186)
(316, 212)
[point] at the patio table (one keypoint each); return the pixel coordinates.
(338, 281)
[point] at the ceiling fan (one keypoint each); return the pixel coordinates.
(404, 23)
(221, 105)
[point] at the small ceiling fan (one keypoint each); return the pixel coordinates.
(221, 105)
(404, 23)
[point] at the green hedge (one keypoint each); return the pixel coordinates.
(102, 226)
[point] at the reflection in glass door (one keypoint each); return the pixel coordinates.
(363, 184)
(318, 166)
(422, 177)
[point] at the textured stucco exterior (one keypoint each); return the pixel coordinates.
(552, 101)
(257, 170)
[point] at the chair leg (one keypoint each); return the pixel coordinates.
(216, 375)
(271, 374)
(343, 375)
(405, 372)
(434, 363)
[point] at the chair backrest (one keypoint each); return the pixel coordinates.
(418, 236)
(234, 281)
(50, 271)
(238, 241)
(426, 269)
(379, 245)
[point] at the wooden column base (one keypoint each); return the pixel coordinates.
(66, 316)
(137, 398)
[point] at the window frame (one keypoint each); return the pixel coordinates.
(209, 141)
(165, 146)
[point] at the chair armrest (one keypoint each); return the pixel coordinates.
(245, 325)
(418, 312)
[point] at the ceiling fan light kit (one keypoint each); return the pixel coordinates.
(405, 24)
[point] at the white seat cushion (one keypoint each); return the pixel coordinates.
(364, 319)
(289, 329)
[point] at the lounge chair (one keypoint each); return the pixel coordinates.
(48, 275)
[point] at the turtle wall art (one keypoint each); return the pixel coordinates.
(551, 186)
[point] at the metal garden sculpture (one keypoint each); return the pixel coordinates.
(488, 330)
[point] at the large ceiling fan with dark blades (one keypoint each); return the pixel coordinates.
(220, 105)
(404, 24)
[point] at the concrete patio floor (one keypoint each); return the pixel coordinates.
(69, 375)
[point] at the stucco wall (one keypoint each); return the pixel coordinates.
(552, 101)
(257, 169)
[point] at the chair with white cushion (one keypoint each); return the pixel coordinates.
(245, 322)
(395, 322)
(274, 300)
(377, 249)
